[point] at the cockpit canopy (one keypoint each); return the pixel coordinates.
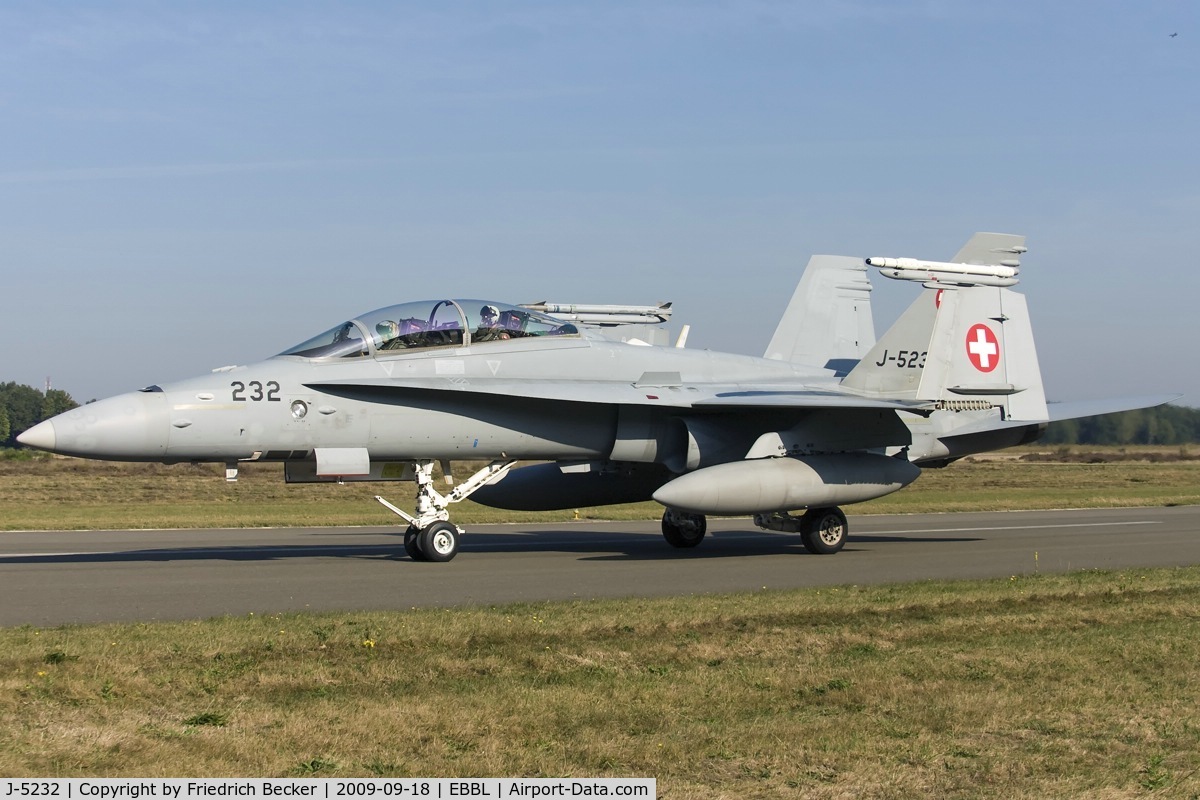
(429, 323)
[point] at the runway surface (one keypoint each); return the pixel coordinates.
(52, 578)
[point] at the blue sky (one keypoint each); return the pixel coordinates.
(189, 185)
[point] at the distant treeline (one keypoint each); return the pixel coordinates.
(1162, 425)
(22, 407)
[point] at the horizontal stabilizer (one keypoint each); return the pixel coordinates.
(1078, 409)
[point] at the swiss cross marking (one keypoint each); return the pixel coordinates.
(983, 348)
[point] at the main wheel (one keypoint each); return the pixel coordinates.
(439, 541)
(823, 530)
(682, 529)
(412, 545)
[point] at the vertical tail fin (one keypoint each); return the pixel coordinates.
(992, 249)
(893, 367)
(985, 351)
(828, 321)
(964, 347)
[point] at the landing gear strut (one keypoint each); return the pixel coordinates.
(430, 535)
(682, 529)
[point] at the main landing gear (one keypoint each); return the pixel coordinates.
(682, 529)
(823, 531)
(431, 536)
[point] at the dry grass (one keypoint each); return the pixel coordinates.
(76, 494)
(1082, 685)
(996, 485)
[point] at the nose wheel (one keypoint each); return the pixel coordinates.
(410, 544)
(437, 542)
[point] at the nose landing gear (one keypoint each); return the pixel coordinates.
(430, 535)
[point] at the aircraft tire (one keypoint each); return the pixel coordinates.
(681, 529)
(412, 544)
(438, 542)
(824, 530)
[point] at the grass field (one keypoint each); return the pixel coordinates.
(1077, 685)
(75, 494)
(1081, 685)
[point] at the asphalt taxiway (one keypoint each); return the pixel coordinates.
(60, 577)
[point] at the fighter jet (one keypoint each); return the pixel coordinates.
(828, 416)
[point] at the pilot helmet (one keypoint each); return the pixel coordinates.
(388, 329)
(489, 314)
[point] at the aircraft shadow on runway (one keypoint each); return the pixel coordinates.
(590, 547)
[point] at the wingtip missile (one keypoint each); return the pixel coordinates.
(934, 279)
(913, 269)
(604, 314)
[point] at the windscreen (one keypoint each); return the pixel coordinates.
(342, 341)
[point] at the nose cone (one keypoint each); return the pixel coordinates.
(128, 427)
(40, 436)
